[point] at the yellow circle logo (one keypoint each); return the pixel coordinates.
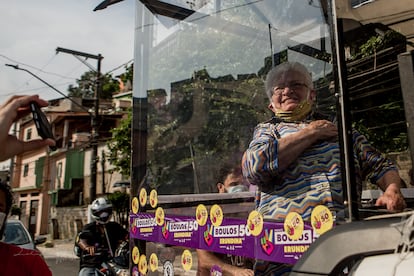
(216, 215)
(153, 198)
(153, 262)
(321, 219)
(134, 205)
(294, 225)
(187, 260)
(143, 197)
(135, 255)
(159, 216)
(255, 223)
(143, 266)
(201, 215)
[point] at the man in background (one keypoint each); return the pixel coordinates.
(229, 180)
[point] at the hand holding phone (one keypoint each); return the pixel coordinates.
(43, 126)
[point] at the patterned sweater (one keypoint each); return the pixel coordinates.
(313, 179)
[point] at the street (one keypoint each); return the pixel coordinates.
(60, 258)
(63, 266)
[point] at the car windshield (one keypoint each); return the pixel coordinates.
(15, 234)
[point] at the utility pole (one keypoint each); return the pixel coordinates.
(94, 118)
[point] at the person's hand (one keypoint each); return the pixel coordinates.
(239, 271)
(90, 249)
(392, 199)
(323, 129)
(12, 110)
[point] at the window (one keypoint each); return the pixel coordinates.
(28, 134)
(26, 170)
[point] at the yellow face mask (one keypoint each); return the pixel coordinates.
(298, 114)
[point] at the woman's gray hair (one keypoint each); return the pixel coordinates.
(276, 73)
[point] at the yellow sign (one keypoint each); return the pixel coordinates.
(159, 216)
(255, 223)
(134, 205)
(321, 219)
(143, 197)
(216, 215)
(135, 255)
(201, 214)
(187, 260)
(143, 266)
(153, 198)
(153, 262)
(294, 226)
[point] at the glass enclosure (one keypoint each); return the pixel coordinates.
(198, 94)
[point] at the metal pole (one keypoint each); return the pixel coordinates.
(103, 172)
(94, 157)
(94, 117)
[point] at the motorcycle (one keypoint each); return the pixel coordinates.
(118, 265)
(120, 262)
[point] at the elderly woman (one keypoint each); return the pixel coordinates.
(294, 158)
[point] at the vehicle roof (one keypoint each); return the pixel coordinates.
(349, 241)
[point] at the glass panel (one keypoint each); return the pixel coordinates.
(201, 71)
(204, 81)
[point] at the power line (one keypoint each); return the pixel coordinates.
(33, 67)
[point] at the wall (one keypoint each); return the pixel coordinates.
(70, 220)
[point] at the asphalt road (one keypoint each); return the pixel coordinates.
(60, 258)
(63, 266)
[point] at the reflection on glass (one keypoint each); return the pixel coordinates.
(204, 81)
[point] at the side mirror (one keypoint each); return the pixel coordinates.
(39, 240)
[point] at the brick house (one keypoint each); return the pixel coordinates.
(43, 180)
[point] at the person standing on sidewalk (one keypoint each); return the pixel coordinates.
(15, 260)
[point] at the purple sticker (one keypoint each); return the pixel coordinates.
(231, 237)
(215, 271)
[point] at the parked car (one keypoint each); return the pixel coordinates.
(121, 186)
(17, 234)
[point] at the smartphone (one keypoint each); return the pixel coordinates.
(44, 129)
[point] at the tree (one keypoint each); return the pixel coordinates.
(86, 86)
(120, 204)
(120, 146)
(377, 104)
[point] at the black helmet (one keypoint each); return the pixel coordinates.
(101, 210)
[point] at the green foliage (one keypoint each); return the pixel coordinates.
(86, 86)
(129, 73)
(212, 122)
(379, 42)
(120, 146)
(378, 108)
(120, 204)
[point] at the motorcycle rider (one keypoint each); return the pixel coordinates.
(98, 240)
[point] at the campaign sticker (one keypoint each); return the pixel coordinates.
(153, 262)
(321, 219)
(135, 255)
(216, 215)
(255, 223)
(153, 198)
(143, 197)
(134, 205)
(216, 271)
(187, 260)
(135, 271)
(159, 216)
(294, 226)
(168, 269)
(201, 215)
(142, 265)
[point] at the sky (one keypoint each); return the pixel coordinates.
(32, 30)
